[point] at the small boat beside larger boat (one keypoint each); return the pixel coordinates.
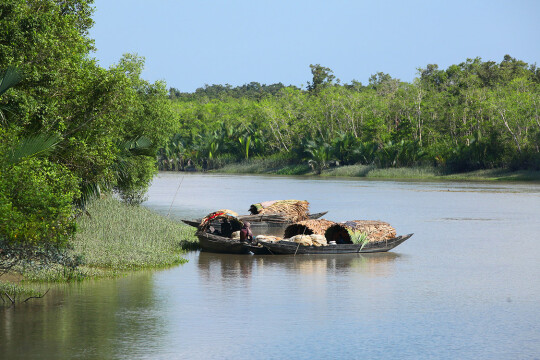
(274, 212)
(285, 247)
(222, 239)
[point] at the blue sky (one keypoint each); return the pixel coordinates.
(192, 43)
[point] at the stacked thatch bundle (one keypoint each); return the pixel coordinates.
(367, 230)
(308, 227)
(294, 210)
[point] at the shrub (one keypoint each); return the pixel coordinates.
(36, 213)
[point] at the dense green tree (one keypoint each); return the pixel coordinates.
(322, 77)
(70, 128)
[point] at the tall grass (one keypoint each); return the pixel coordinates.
(116, 237)
(270, 165)
(295, 169)
(349, 171)
(370, 171)
(122, 237)
(12, 293)
(284, 166)
(251, 166)
(404, 173)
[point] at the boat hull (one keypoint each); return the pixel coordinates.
(219, 244)
(292, 248)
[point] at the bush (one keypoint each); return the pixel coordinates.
(36, 213)
(221, 161)
(528, 160)
(135, 177)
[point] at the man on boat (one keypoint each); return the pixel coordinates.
(245, 233)
(226, 228)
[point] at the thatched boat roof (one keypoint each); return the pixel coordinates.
(220, 215)
(374, 230)
(308, 227)
(296, 210)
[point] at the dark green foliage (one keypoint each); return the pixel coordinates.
(36, 213)
(135, 178)
(37, 145)
(322, 77)
(10, 77)
(70, 129)
(253, 91)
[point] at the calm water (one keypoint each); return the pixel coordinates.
(465, 286)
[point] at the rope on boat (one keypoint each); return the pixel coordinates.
(174, 198)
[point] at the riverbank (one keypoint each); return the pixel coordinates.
(113, 239)
(264, 166)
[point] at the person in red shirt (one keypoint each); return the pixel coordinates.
(245, 233)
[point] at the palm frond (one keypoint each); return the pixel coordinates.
(9, 78)
(135, 147)
(89, 192)
(38, 145)
(138, 146)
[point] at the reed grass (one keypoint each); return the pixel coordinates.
(405, 173)
(251, 166)
(276, 164)
(295, 169)
(116, 238)
(13, 293)
(370, 171)
(349, 171)
(283, 166)
(122, 237)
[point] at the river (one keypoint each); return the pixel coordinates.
(465, 286)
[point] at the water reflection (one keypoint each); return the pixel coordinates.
(102, 319)
(222, 267)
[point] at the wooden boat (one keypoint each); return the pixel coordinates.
(289, 247)
(220, 244)
(256, 219)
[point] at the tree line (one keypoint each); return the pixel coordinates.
(473, 115)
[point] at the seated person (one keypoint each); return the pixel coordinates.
(245, 233)
(226, 228)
